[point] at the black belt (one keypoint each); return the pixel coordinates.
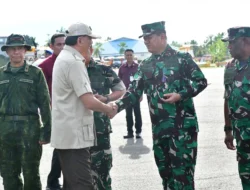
(18, 117)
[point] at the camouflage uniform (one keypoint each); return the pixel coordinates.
(174, 126)
(22, 92)
(237, 87)
(102, 79)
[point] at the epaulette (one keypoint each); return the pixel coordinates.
(4, 68)
(184, 55)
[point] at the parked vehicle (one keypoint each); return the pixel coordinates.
(117, 61)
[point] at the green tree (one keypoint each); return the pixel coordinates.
(193, 42)
(47, 42)
(217, 48)
(175, 44)
(199, 51)
(98, 49)
(34, 41)
(108, 39)
(31, 40)
(209, 41)
(123, 47)
(61, 30)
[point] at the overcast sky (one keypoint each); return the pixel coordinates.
(185, 19)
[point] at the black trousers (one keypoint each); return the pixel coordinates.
(55, 172)
(129, 118)
(76, 168)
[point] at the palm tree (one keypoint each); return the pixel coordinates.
(61, 30)
(98, 49)
(108, 39)
(193, 42)
(48, 40)
(122, 46)
(34, 41)
(31, 40)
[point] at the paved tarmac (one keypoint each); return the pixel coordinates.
(133, 161)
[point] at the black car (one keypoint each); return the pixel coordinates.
(117, 62)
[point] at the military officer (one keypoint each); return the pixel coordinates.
(237, 99)
(23, 91)
(170, 80)
(103, 79)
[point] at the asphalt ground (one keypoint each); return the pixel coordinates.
(133, 160)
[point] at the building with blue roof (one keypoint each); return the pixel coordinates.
(111, 48)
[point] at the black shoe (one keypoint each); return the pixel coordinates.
(138, 135)
(58, 187)
(128, 136)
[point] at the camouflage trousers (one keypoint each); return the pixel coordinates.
(101, 163)
(243, 158)
(20, 152)
(175, 158)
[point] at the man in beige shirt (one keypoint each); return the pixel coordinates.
(73, 104)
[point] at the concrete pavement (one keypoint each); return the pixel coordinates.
(133, 161)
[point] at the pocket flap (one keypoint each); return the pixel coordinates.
(229, 75)
(88, 120)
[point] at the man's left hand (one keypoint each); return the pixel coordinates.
(114, 110)
(171, 98)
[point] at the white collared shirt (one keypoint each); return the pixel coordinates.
(72, 123)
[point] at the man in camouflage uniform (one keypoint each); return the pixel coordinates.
(237, 99)
(170, 79)
(102, 79)
(23, 90)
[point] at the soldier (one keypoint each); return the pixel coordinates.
(23, 90)
(102, 79)
(170, 80)
(237, 99)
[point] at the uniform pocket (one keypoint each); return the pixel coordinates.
(88, 128)
(27, 84)
(229, 75)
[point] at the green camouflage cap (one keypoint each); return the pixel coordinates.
(15, 40)
(149, 29)
(237, 32)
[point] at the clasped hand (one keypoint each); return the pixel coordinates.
(112, 111)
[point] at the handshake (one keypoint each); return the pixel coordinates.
(112, 110)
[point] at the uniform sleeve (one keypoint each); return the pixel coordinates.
(192, 72)
(78, 78)
(115, 81)
(43, 99)
(229, 74)
(134, 92)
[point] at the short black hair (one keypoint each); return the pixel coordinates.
(71, 40)
(53, 38)
(127, 50)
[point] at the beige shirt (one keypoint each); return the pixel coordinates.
(72, 123)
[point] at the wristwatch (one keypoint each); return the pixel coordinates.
(108, 99)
